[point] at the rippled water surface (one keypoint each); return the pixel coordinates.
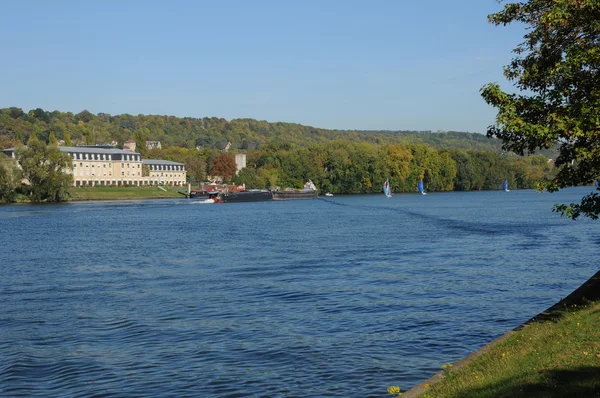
(337, 297)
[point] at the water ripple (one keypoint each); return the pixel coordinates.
(309, 298)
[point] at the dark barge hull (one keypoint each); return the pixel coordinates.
(246, 196)
(296, 194)
(203, 194)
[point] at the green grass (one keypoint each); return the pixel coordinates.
(117, 193)
(559, 358)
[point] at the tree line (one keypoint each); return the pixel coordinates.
(16, 126)
(340, 167)
(358, 167)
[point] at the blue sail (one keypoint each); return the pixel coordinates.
(596, 183)
(420, 185)
(505, 187)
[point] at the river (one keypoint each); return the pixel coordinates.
(335, 297)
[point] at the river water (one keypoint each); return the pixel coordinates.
(334, 297)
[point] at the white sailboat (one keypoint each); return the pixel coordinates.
(387, 189)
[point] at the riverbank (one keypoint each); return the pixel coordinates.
(556, 353)
(122, 193)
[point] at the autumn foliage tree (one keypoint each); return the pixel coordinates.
(223, 166)
(557, 70)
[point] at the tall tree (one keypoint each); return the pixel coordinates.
(557, 70)
(223, 166)
(140, 144)
(44, 167)
(68, 139)
(10, 177)
(52, 139)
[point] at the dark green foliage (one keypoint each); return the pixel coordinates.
(10, 177)
(557, 70)
(250, 178)
(43, 166)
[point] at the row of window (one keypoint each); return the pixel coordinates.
(103, 165)
(166, 167)
(102, 156)
(87, 173)
(87, 165)
(79, 183)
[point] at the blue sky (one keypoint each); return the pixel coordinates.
(338, 64)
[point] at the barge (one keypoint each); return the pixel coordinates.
(203, 194)
(250, 195)
(308, 192)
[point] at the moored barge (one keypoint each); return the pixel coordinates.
(250, 195)
(203, 194)
(308, 192)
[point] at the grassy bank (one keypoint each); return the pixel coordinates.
(558, 358)
(120, 193)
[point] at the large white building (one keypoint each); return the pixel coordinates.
(104, 165)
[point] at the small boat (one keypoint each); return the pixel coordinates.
(328, 194)
(505, 186)
(421, 190)
(387, 189)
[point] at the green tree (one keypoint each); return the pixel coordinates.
(68, 139)
(52, 139)
(195, 163)
(250, 177)
(557, 70)
(10, 177)
(44, 167)
(140, 144)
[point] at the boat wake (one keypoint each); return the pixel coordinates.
(203, 202)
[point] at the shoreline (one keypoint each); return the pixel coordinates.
(120, 199)
(587, 291)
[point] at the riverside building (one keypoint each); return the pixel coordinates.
(105, 165)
